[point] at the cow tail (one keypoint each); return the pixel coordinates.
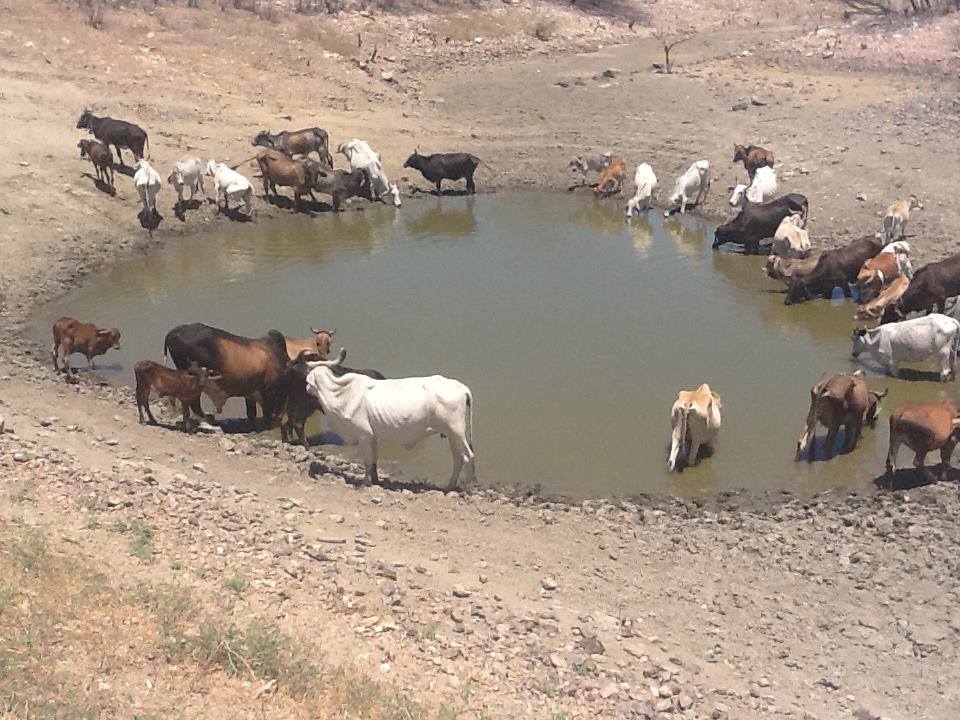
(469, 421)
(484, 164)
(146, 142)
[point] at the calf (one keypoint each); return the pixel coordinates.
(759, 222)
(299, 405)
(896, 216)
(101, 157)
(187, 173)
(148, 184)
(761, 189)
(784, 269)
(753, 158)
(839, 399)
(834, 268)
(584, 164)
(70, 336)
(183, 385)
(229, 184)
(340, 185)
(445, 166)
(695, 417)
(888, 297)
(929, 289)
(695, 182)
(924, 427)
(932, 336)
(119, 133)
(297, 142)
(319, 344)
(645, 182)
(791, 239)
(613, 175)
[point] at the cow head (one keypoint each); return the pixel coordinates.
(86, 119)
(323, 337)
(723, 234)
(84, 146)
(915, 203)
(107, 338)
(858, 338)
(341, 356)
(739, 153)
(263, 139)
(738, 194)
(211, 168)
(394, 192)
(414, 160)
(873, 406)
(797, 291)
(578, 165)
(175, 178)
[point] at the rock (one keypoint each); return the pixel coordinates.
(742, 105)
(610, 73)
(757, 101)
(549, 584)
(459, 591)
(685, 701)
(609, 690)
(337, 519)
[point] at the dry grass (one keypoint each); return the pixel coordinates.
(74, 645)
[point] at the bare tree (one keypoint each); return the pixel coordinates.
(670, 40)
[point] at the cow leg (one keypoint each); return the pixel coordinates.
(186, 416)
(920, 463)
(368, 448)
(694, 452)
(251, 411)
(462, 453)
(851, 435)
(300, 428)
(439, 182)
(119, 155)
(53, 356)
(948, 361)
(945, 453)
(831, 441)
(471, 188)
(683, 204)
(66, 349)
(91, 364)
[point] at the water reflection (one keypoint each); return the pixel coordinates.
(445, 218)
(605, 217)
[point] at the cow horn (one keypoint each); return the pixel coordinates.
(341, 356)
(882, 395)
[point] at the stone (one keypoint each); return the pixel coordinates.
(548, 584)
(459, 591)
(609, 690)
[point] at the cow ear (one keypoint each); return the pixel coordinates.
(861, 332)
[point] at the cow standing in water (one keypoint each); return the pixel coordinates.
(839, 399)
(695, 417)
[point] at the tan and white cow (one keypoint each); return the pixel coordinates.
(696, 420)
(896, 216)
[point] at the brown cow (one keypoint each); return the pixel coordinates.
(888, 297)
(929, 289)
(924, 427)
(297, 142)
(784, 269)
(277, 169)
(881, 270)
(70, 336)
(319, 343)
(101, 157)
(839, 399)
(752, 157)
(613, 173)
(835, 268)
(183, 385)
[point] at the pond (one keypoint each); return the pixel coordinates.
(573, 328)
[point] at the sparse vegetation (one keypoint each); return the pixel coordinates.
(236, 583)
(544, 28)
(671, 39)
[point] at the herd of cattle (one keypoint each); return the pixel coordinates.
(278, 163)
(293, 378)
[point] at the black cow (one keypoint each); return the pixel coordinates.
(340, 185)
(928, 290)
(445, 166)
(834, 268)
(250, 368)
(758, 222)
(299, 404)
(118, 133)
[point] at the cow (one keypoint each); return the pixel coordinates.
(646, 183)
(119, 133)
(366, 412)
(362, 157)
(445, 166)
(299, 405)
(297, 142)
(753, 158)
(924, 427)
(888, 297)
(187, 173)
(148, 184)
(695, 183)
(278, 169)
(340, 185)
(929, 289)
(183, 385)
(839, 399)
(931, 336)
(896, 216)
(695, 418)
(879, 271)
(227, 184)
(596, 162)
(249, 367)
(791, 239)
(71, 335)
(759, 222)
(319, 344)
(613, 174)
(835, 268)
(762, 188)
(784, 269)
(101, 157)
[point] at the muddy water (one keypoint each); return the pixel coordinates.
(573, 328)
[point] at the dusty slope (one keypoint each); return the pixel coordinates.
(823, 608)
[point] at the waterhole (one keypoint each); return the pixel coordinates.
(573, 328)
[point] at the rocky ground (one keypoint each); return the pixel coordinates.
(477, 604)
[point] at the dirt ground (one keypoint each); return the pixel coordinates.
(472, 605)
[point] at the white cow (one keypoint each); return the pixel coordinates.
(148, 184)
(366, 412)
(646, 183)
(915, 340)
(229, 184)
(763, 188)
(791, 240)
(696, 420)
(695, 183)
(187, 173)
(362, 157)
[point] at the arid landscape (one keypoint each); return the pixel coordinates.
(147, 573)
